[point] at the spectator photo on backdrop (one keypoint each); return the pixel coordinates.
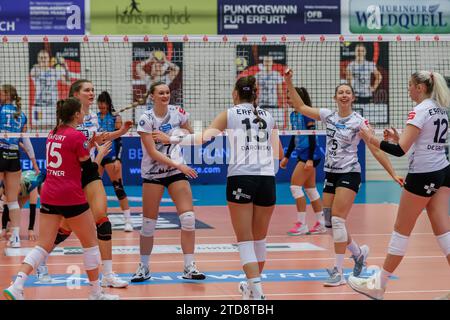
(365, 66)
(53, 67)
(266, 63)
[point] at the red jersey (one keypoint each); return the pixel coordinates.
(62, 185)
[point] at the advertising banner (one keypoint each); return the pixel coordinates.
(53, 67)
(153, 17)
(365, 65)
(42, 17)
(401, 16)
(209, 160)
(279, 17)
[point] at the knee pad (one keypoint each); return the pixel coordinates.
(327, 217)
(62, 235)
(297, 191)
(35, 257)
(104, 229)
(91, 258)
(187, 221)
(260, 250)
(13, 205)
(312, 194)
(148, 227)
(444, 242)
(119, 189)
(339, 229)
(398, 244)
(247, 252)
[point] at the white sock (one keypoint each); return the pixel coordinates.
(20, 280)
(145, 259)
(256, 287)
(44, 262)
(354, 248)
(15, 231)
(127, 214)
(107, 267)
(95, 287)
(384, 276)
(188, 259)
(301, 217)
(320, 217)
(339, 261)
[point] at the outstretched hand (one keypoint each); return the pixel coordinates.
(391, 135)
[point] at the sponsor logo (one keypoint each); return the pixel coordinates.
(430, 188)
(238, 194)
(170, 249)
(411, 115)
(75, 280)
(401, 16)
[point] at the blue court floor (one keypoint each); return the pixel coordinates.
(214, 194)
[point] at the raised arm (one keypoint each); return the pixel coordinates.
(296, 101)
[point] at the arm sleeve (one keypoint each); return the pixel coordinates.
(144, 124)
(28, 147)
(324, 113)
(290, 148)
(417, 118)
(81, 145)
(184, 116)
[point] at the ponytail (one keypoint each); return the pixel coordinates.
(59, 106)
(436, 86)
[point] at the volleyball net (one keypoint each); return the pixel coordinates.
(201, 72)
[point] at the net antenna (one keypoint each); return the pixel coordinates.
(139, 102)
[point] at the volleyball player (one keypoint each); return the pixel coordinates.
(111, 163)
(308, 158)
(32, 195)
(251, 193)
(12, 119)
(62, 196)
(427, 184)
(342, 171)
(30, 183)
(163, 167)
(93, 187)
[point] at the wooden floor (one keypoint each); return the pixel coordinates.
(295, 274)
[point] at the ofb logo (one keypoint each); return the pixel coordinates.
(74, 18)
(373, 17)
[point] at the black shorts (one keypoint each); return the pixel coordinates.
(167, 181)
(65, 211)
(9, 160)
(259, 190)
(428, 183)
(86, 180)
(316, 162)
(349, 180)
(109, 160)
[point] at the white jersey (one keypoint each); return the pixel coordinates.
(428, 151)
(361, 77)
(45, 82)
(88, 128)
(268, 82)
(342, 141)
(169, 124)
(251, 150)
